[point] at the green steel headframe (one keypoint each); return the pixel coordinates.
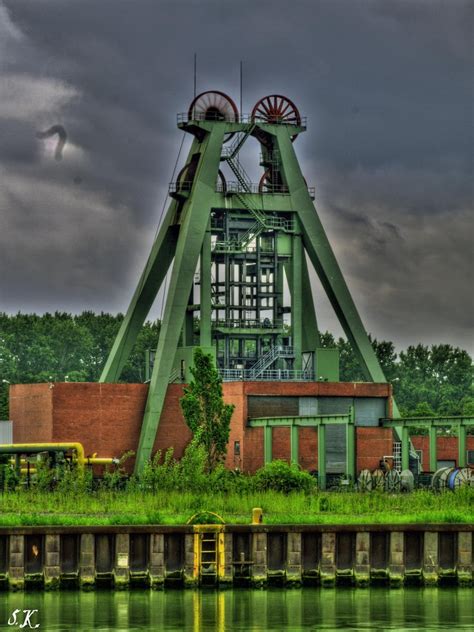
(230, 247)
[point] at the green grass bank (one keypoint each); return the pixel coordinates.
(134, 507)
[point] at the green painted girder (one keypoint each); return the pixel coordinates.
(311, 339)
(324, 261)
(205, 307)
(297, 300)
(433, 448)
(277, 202)
(194, 223)
(322, 257)
(312, 421)
(229, 127)
(460, 423)
(152, 277)
(462, 441)
(157, 266)
(246, 331)
(424, 422)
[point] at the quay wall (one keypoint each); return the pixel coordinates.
(248, 555)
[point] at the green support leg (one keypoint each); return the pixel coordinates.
(195, 219)
(147, 365)
(150, 282)
(310, 331)
(267, 444)
(294, 444)
(311, 340)
(322, 257)
(152, 277)
(433, 448)
(188, 329)
(405, 448)
(350, 450)
(205, 291)
(322, 456)
(462, 430)
(296, 301)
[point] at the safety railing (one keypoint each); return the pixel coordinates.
(237, 187)
(230, 323)
(230, 150)
(180, 186)
(274, 353)
(246, 375)
(186, 117)
(253, 187)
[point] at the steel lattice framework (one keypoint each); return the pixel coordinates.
(230, 246)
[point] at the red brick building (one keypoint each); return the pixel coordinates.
(106, 419)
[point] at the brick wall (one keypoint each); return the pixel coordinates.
(371, 445)
(446, 448)
(106, 419)
(31, 407)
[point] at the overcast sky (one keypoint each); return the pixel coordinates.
(387, 89)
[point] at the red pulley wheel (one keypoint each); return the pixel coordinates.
(214, 106)
(276, 109)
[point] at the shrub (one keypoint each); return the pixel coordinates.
(279, 476)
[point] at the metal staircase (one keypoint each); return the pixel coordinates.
(231, 156)
(230, 151)
(274, 353)
(262, 221)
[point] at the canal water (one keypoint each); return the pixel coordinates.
(413, 609)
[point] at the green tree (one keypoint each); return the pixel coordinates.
(440, 376)
(204, 410)
(103, 328)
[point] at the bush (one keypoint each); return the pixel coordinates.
(279, 476)
(166, 473)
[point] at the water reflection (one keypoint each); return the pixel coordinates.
(411, 609)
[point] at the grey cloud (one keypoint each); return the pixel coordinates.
(386, 90)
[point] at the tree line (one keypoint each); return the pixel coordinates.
(64, 347)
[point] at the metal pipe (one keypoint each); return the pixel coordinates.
(34, 448)
(101, 460)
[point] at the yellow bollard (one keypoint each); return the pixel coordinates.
(257, 515)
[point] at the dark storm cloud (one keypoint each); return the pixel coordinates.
(386, 89)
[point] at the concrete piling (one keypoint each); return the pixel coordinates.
(430, 558)
(16, 571)
(122, 563)
(52, 567)
(328, 560)
(252, 555)
(294, 562)
(465, 565)
(157, 560)
(87, 562)
(396, 563)
(259, 557)
(362, 561)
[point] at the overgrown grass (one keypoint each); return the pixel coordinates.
(104, 507)
(170, 492)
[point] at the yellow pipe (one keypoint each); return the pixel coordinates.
(44, 447)
(102, 460)
(18, 448)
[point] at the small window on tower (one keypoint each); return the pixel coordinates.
(237, 448)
